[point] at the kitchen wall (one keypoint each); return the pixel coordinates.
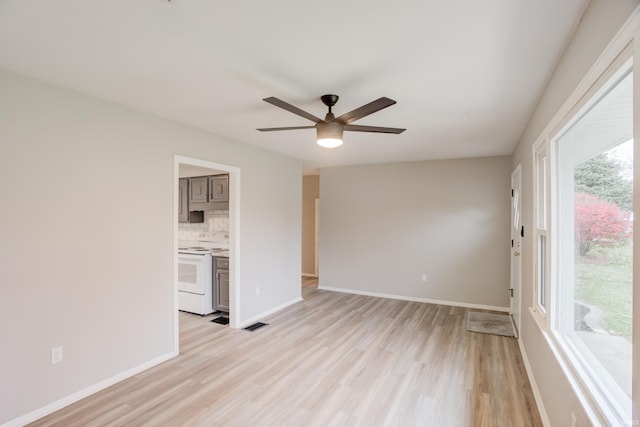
(383, 226)
(310, 192)
(601, 21)
(87, 248)
(217, 220)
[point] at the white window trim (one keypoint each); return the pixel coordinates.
(541, 312)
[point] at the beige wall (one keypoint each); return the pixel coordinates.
(310, 192)
(382, 226)
(86, 246)
(601, 21)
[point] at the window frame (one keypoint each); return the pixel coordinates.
(541, 230)
(570, 352)
(626, 39)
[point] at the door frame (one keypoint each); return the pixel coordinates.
(316, 231)
(234, 238)
(515, 283)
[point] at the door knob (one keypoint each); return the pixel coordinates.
(516, 253)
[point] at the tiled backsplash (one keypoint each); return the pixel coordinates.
(213, 221)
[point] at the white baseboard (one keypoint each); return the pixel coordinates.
(534, 386)
(88, 391)
(415, 299)
(254, 319)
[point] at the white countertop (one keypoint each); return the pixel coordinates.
(198, 249)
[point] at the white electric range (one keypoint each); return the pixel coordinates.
(195, 292)
(195, 275)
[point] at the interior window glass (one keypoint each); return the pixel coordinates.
(595, 254)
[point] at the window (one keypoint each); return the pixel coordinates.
(593, 253)
(541, 230)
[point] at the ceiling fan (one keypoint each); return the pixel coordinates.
(330, 129)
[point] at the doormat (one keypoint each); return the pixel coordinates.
(255, 326)
(221, 320)
(488, 323)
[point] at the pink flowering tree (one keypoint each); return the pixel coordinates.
(599, 223)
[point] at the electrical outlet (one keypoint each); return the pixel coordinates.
(257, 290)
(56, 355)
(424, 277)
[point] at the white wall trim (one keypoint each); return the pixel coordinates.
(534, 387)
(88, 391)
(264, 314)
(316, 233)
(415, 299)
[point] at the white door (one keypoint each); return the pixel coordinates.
(516, 243)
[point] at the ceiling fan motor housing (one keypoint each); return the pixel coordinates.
(329, 130)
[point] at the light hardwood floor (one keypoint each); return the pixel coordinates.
(309, 282)
(334, 359)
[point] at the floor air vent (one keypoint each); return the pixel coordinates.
(255, 326)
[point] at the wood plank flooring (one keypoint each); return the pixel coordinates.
(309, 282)
(332, 360)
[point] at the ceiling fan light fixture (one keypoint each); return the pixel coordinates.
(330, 134)
(329, 142)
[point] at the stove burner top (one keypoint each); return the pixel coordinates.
(202, 250)
(194, 250)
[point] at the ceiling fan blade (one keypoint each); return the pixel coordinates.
(286, 128)
(366, 109)
(292, 109)
(377, 129)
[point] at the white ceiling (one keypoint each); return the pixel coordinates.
(466, 73)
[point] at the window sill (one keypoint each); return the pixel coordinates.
(598, 411)
(541, 319)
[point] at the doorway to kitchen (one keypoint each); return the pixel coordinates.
(207, 226)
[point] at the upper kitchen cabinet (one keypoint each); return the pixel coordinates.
(185, 214)
(208, 193)
(219, 188)
(183, 200)
(198, 189)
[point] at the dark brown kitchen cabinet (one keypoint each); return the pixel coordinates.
(219, 188)
(223, 291)
(183, 198)
(208, 193)
(185, 214)
(221, 283)
(199, 189)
